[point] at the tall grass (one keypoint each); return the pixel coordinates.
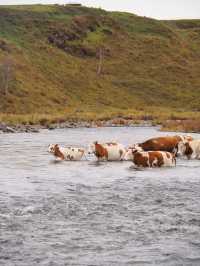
(170, 121)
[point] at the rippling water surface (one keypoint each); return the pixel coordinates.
(89, 213)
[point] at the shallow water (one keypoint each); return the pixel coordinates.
(88, 213)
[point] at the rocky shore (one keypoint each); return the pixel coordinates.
(118, 122)
(6, 128)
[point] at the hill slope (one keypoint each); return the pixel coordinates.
(73, 60)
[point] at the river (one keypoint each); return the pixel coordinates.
(95, 214)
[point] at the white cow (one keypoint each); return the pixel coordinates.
(110, 151)
(66, 153)
(190, 149)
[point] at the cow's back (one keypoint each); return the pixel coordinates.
(160, 144)
(116, 151)
(73, 153)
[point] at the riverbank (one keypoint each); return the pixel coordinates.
(173, 125)
(168, 120)
(117, 122)
(187, 126)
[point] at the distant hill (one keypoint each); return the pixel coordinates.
(75, 60)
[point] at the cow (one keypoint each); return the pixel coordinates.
(110, 151)
(167, 143)
(66, 153)
(190, 149)
(150, 158)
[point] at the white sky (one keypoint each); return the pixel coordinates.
(161, 9)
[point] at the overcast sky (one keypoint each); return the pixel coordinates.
(161, 9)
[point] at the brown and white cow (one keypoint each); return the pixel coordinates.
(190, 149)
(150, 158)
(66, 153)
(110, 151)
(167, 143)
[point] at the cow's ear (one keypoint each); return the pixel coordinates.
(95, 142)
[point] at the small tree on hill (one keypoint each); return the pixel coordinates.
(101, 58)
(6, 75)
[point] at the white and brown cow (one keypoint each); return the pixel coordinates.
(110, 151)
(190, 149)
(150, 158)
(66, 153)
(167, 143)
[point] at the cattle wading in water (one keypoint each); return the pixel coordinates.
(190, 149)
(168, 143)
(110, 151)
(66, 153)
(151, 158)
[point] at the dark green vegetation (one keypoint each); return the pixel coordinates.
(147, 68)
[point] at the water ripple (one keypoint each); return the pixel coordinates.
(89, 213)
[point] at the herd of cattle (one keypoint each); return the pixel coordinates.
(155, 152)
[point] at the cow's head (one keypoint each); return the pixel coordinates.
(183, 138)
(52, 148)
(92, 148)
(183, 148)
(55, 150)
(188, 138)
(129, 155)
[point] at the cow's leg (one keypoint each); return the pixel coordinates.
(155, 162)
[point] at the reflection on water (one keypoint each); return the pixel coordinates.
(91, 213)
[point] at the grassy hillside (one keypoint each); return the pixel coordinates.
(149, 67)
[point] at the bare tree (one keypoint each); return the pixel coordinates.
(101, 57)
(6, 74)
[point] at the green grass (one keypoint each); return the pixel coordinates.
(150, 67)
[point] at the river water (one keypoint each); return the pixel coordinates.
(89, 213)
